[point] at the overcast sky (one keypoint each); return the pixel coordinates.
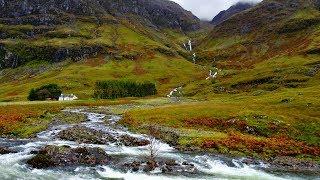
(207, 9)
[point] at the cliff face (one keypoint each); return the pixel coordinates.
(157, 13)
(226, 14)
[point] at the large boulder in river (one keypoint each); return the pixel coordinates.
(55, 156)
(133, 141)
(85, 135)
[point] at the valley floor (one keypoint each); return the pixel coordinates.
(278, 126)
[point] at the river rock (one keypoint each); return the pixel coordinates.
(150, 166)
(4, 150)
(290, 164)
(85, 135)
(167, 166)
(171, 167)
(134, 166)
(132, 141)
(55, 156)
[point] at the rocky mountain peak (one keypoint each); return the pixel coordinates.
(156, 13)
(226, 14)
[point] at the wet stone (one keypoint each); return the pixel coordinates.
(61, 156)
(4, 150)
(132, 141)
(151, 165)
(134, 166)
(172, 167)
(86, 135)
(166, 166)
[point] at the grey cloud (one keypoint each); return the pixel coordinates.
(207, 9)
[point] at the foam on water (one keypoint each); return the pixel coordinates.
(110, 173)
(219, 168)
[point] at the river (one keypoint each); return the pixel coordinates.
(13, 166)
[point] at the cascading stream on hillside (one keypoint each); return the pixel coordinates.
(204, 166)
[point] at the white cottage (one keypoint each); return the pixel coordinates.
(67, 97)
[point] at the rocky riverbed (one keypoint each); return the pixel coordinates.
(97, 149)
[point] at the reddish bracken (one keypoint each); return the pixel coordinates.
(281, 145)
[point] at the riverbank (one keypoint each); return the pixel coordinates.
(25, 119)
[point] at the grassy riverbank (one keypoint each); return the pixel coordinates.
(25, 119)
(261, 126)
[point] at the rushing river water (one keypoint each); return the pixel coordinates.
(13, 166)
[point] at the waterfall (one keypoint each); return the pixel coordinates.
(190, 45)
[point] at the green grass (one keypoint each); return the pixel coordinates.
(79, 78)
(223, 43)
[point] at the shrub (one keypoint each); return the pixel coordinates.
(50, 91)
(113, 89)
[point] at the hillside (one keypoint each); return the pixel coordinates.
(39, 38)
(35, 12)
(273, 45)
(74, 29)
(235, 9)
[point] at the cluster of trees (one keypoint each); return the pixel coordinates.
(113, 89)
(49, 91)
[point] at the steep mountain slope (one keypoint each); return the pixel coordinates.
(41, 38)
(268, 16)
(82, 27)
(271, 46)
(158, 13)
(235, 9)
(268, 29)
